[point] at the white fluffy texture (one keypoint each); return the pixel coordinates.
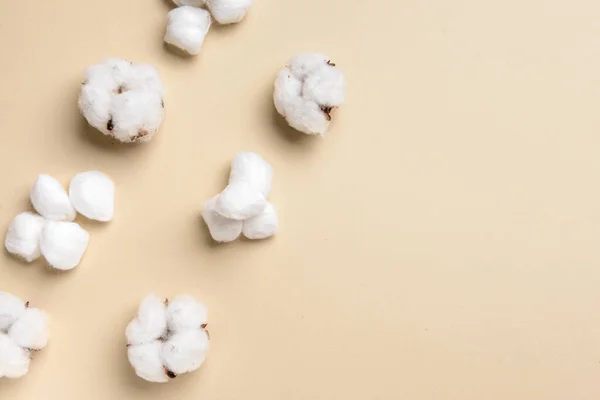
(306, 90)
(22, 329)
(63, 244)
(150, 323)
(123, 100)
(167, 340)
(228, 11)
(252, 168)
(263, 225)
(187, 27)
(50, 199)
(93, 195)
(240, 200)
(23, 236)
(185, 351)
(221, 229)
(194, 3)
(11, 308)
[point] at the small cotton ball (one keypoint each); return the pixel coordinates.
(240, 201)
(252, 168)
(194, 3)
(14, 360)
(50, 199)
(184, 312)
(30, 331)
(307, 90)
(185, 351)
(146, 361)
(123, 100)
(11, 308)
(228, 11)
(23, 236)
(187, 27)
(150, 323)
(63, 244)
(263, 225)
(221, 229)
(93, 195)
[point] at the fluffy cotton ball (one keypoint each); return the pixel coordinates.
(23, 236)
(252, 168)
(14, 360)
(123, 100)
(93, 195)
(195, 3)
(50, 199)
(187, 28)
(221, 229)
(30, 331)
(307, 90)
(11, 308)
(63, 244)
(240, 201)
(185, 351)
(147, 363)
(184, 312)
(263, 225)
(228, 11)
(150, 323)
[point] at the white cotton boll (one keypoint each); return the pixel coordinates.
(30, 331)
(93, 195)
(252, 168)
(221, 229)
(263, 225)
(187, 27)
(150, 323)
(123, 100)
(14, 360)
(240, 201)
(185, 351)
(63, 244)
(50, 199)
(307, 90)
(185, 312)
(228, 11)
(23, 236)
(146, 361)
(11, 308)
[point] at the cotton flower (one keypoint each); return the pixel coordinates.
(50, 199)
(307, 90)
(187, 27)
(167, 338)
(23, 329)
(228, 11)
(63, 243)
(23, 236)
(243, 204)
(123, 100)
(93, 195)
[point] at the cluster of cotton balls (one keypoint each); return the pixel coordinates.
(243, 205)
(52, 233)
(123, 100)
(307, 90)
(167, 338)
(188, 24)
(23, 329)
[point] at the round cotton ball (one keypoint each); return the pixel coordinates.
(307, 90)
(23, 236)
(228, 11)
(221, 229)
(14, 360)
(63, 244)
(50, 199)
(263, 225)
(240, 201)
(187, 27)
(11, 308)
(252, 168)
(123, 100)
(93, 195)
(185, 351)
(150, 323)
(30, 331)
(184, 312)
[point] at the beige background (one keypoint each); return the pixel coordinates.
(440, 243)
